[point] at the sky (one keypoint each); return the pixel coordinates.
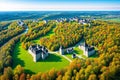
(59, 5)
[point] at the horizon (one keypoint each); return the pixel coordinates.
(62, 11)
(59, 5)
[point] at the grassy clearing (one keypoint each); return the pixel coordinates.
(51, 32)
(22, 57)
(78, 51)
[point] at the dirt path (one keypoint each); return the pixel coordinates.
(79, 56)
(67, 58)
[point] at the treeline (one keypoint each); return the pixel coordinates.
(104, 35)
(66, 34)
(4, 25)
(89, 69)
(12, 31)
(36, 29)
(6, 53)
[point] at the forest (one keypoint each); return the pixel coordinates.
(104, 35)
(4, 25)
(6, 53)
(36, 30)
(66, 34)
(13, 30)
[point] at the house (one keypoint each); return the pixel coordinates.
(61, 51)
(88, 50)
(38, 52)
(20, 23)
(69, 50)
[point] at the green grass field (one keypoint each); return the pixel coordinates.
(112, 19)
(69, 56)
(77, 51)
(22, 57)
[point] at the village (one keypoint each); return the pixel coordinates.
(39, 52)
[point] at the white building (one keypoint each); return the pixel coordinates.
(61, 51)
(20, 23)
(69, 50)
(88, 50)
(38, 52)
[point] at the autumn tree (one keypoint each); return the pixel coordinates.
(19, 70)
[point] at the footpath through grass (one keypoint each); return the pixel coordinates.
(22, 57)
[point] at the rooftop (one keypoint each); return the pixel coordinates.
(37, 48)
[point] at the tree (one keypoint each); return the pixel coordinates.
(19, 70)
(74, 72)
(88, 71)
(59, 77)
(1, 67)
(3, 77)
(8, 61)
(44, 76)
(16, 77)
(92, 77)
(28, 77)
(22, 76)
(52, 74)
(8, 73)
(77, 76)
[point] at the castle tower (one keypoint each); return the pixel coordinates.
(86, 49)
(61, 51)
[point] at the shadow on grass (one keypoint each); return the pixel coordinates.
(29, 71)
(52, 58)
(75, 51)
(94, 55)
(78, 51)
(16, 60)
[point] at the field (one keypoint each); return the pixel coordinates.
(22, 57)
(112, 19)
